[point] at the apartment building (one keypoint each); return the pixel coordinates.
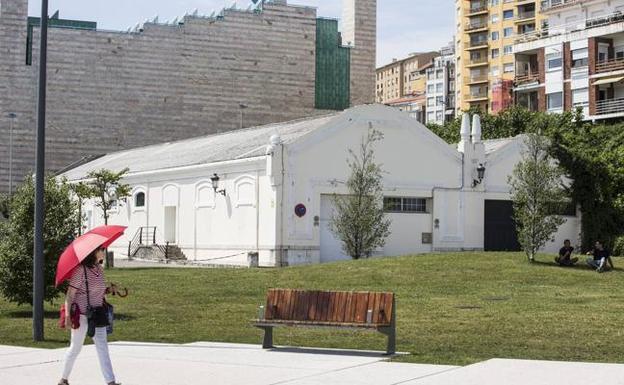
(486, 33)
(575, 61)
(440, 91)
(402, 78)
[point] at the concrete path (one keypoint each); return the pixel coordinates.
(225, 364)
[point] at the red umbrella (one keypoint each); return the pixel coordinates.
(82, 246)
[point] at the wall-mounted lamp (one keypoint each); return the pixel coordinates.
(215, 185)
(480, 175)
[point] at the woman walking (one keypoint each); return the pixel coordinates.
(86, 295)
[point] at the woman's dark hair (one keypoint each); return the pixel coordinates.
(91, 259)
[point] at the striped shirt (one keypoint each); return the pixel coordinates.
(97, 287)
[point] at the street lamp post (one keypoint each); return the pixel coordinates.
(12, 116)
(38, 277)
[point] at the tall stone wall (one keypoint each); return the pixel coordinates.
(110, 90)
(360, 31)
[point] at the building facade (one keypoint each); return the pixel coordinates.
(486, 32)
(440, 91)
(575, 61)
(159, 82)
(402, 78)
(275, 188)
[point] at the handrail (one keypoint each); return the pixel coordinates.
(609, 65)
(141, 237)
(609, 106)
(526, 77)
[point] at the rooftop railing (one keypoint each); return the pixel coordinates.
(562, 29)
(472, 25)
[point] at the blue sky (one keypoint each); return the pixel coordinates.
(404, 26)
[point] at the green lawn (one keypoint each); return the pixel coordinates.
(455, 308)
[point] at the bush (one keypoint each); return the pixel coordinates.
(618, 246)
(16, 239)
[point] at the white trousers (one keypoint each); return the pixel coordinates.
(101, 346)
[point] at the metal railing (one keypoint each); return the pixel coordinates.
(548, 4)
(610, 106)
(479, 60)
(527, 77)
(567, 28)
(476, 7)
(477, 43)
(615, 64)
(142, 237)
(477, 95)
(472, 25)
(526, 15)
(478, 78)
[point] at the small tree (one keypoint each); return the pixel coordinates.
(82, 191)
(106, 188)
(359, 220)
(5, 201)
(537, 192)
(16, 238)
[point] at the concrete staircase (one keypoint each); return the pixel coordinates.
(159, 253)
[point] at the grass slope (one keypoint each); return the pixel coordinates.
(455, 308)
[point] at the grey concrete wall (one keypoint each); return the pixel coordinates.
(360, 31)
(109, 91)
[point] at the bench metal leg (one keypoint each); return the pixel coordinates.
(390, 332)
(267, 342)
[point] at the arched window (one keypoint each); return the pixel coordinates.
(139, 199)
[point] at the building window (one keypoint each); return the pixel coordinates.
(430, 88)
(494, 18)
(439, 87)
(405, 205)
(554, 101)
(430, 102)
(508, 67)
(430, 116)
(553, 61)
(508, 49)
(580, 58)
(508, 14)
(507, 32)
(495, 71)
(439, 74)
(495, 53)
(494, 2)
(439, 100)
(139, 199)
(495, 35)
(439, 116)
(580, 97)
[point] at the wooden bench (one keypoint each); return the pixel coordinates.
(338, 309)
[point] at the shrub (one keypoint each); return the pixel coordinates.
(618, 246)
(16, 239)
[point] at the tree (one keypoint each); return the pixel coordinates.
(359, 220)
(16, 238)
(105, 187)
(82, 191)
(4, 206)
(537, 193)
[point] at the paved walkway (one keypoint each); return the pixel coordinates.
(225, 364)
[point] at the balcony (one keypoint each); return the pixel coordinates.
(526, 15)
(474, 26)
(566, 28)
(610, 65)
(483, 78)
(610, 106)
(477, 96)
(527, 77)
(547, 5)
(478, 44)
(483, 60)
(477, 7)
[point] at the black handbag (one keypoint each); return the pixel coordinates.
(96, 316)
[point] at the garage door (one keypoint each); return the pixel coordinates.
(500, 229)
(331, 247)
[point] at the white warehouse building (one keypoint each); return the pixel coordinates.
(275, 187)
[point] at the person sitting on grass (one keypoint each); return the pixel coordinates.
(599, 258)
(565, 255)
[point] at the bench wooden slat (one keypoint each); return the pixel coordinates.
(361, 307)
